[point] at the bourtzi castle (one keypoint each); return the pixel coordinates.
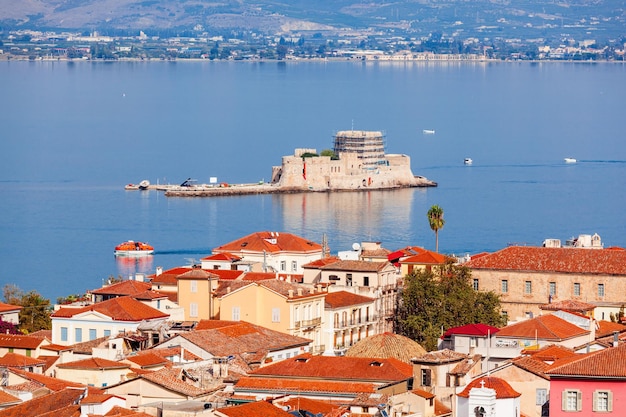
(361, 163)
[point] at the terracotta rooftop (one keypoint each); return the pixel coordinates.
(87, 347)
(425, 258)
(550, 353)
(120, 309)
(562, 260)
(257, 408)
(548, 327)
(198, 274)
(222, 257)
(41, 405)
(302, 386)
(607, 328)
(170, 276)
(338, 368)
(386, 345)
(479, 329)
(439, 357)
(357, 266)
(441, 409)
(7, 399)
(170, 353)
(568, 305)
(20, 341)
(314, 407)
(147, 358)
(53, 384)
(93, 363)
(226, 274)
(242, 337)
(502, 388)
(424, 394)
(128, 287)
(321, 262)
(5, 308)
(342, 299)
(168, 378)
(270, 242)
(605, 363)
(15, 360)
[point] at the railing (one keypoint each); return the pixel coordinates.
(355, 323)
(314, 322)
(318, 349)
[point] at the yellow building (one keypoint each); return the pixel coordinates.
(277, 305)
(195, 289)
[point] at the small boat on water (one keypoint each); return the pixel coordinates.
(428, 131)
(570, 160)
(132, 248)
(468, 161)
(143, 185)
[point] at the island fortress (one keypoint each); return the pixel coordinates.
(358, 162)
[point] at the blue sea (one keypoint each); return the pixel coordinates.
(72, 134)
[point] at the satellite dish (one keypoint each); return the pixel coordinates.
(356, 247)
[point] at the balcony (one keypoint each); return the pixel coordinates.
(318, 349)
(311, 323)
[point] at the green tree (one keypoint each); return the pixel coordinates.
(35, 313)
(432, 301)
(329, 152)
(436, 222)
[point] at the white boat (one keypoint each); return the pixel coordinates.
(428, 131)
(468, 161)
(570, 160)
(143, 185)
(132, 248)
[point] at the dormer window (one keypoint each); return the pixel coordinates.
(376, 363)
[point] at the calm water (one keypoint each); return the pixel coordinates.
(71, 135)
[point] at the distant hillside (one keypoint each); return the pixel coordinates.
(269, 16)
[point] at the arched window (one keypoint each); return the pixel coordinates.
(479, 412)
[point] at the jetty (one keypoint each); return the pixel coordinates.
(358, 162)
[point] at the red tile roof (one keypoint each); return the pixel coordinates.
(342, 299)
(568, 305)
(224, 257)
(440, 356)
(425, 258)
(15, 360)
(302, 386)
(607, 328)
(53, 384)
(270, 242)
(5, 308)
(170, 276)
(128, 287)
(550, 353)
(548, 327)
(424, 394)
(605, 363)
(41, 405)
(150, 295)
(312, 406)
(167, 353)
(119, 309)
(93, 363)
(339, 368)
(20, 342)
(478, 329)
(386, 345)
(502, 388)
(321, 262)
(226, 274)
(258, 408)
(7, 399)
(197, 274)
(147, 359)
(563, 260)
(169, 379)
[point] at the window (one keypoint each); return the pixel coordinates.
(63, 334)
(294, 266)
(235, 314)
(571, 400)
(505, 285)
(93, 334)
(475, 284)
(349, 280)
(426, 380)
(541, 396)
(283, 266)
(276, 315)
(528, 287)
(78, 335)
(194, 286)
(600, 290)
(577, 289)
(552, 289)
(28, 352)
(193, 309)
(107, 332)
(366, 281)
(602, 401)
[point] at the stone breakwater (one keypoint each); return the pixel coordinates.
(247, 189)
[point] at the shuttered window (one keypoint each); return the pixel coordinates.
(571, 400)
(602, 400)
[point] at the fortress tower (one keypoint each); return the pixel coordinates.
(368, 146)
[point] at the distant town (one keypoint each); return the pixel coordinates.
(250, 46)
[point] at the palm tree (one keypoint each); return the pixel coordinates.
(436, 221)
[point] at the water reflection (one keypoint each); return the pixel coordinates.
(128, 266)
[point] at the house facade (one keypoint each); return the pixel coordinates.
(348, 318)
(527, 277)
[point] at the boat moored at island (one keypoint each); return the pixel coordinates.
(132, 248)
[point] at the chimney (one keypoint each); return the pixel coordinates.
(615, 339)
(290, 293)
(228, 290)
(159, 270)
(300, 291)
